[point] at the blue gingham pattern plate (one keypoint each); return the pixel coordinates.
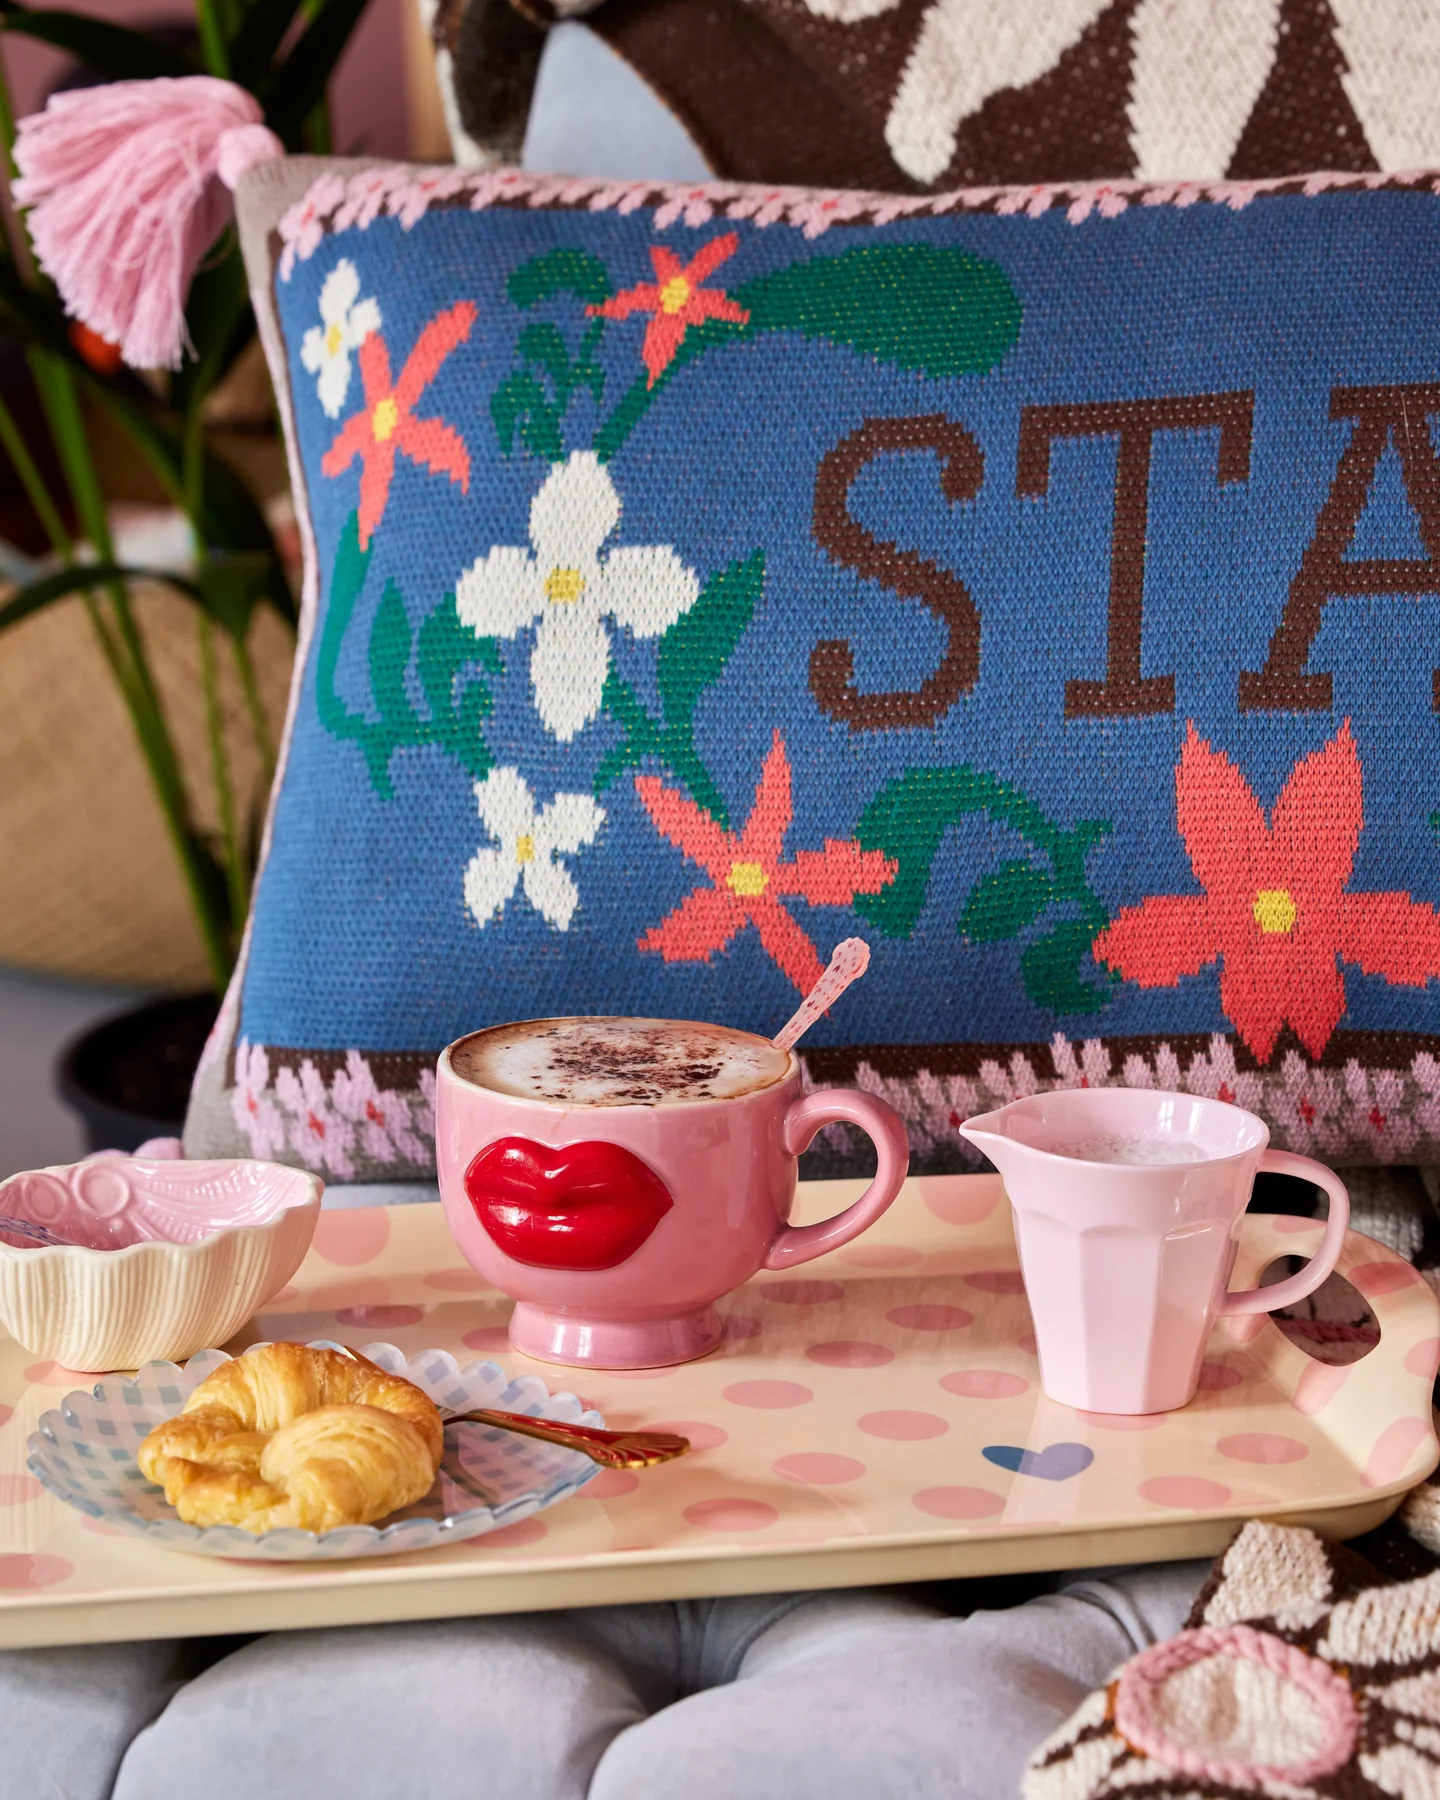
(84, 1453)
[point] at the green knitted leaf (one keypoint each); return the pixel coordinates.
(918, 306)
(560, 272)
(1002, 903)
(1050, 970)
(699, 644)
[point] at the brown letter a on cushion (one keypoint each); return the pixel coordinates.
(1382, 415)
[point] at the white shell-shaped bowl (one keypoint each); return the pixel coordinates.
(168, 1257)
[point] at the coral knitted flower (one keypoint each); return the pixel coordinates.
(388, 422)
(675, 300)
(748, 876)
(1274, 912)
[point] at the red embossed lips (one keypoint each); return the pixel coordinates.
(581, 1206)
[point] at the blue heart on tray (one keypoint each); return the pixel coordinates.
(1056, 1462)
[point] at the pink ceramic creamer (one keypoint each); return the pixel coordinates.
(1127, 1207)
(617, 1227)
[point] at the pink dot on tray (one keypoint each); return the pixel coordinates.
(767, 1394)
(524, 1531)
(456, 1281)
(386, 1317)
(1375, 1278)
(1392, 1451)
(15, 1490)
(609, 1484)
(850, 1353)
(930, 1318)
(349, 1236)
(996, 1281)
(1424, 1358)
(903, 1426)
(1217, 1376)
(18, 1572)
(737, 1328)
(958, 1503)
(701, 1436)
(818, 1468)
(487, 1338)
(727, 1514)
(983, 1384)
(802, 1293)
(1262, 1447)
(879, 1256)
(1185, 1492)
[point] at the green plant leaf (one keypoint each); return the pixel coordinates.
(919, 306)
(261, 33)
(297, 86)
(220, 322)
(390, 645)
(229, 586)
(907, 820)
(1002, 903)
(700, 642)
(1050, 970)
(520, 405)
(109, 49)
(560, 272)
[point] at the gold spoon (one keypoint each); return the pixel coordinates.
(611, 1449)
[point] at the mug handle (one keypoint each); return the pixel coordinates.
(1322, 1263)
(794, 1244)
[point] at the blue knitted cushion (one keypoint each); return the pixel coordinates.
(1044, 585)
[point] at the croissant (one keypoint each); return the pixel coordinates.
(287, 1435)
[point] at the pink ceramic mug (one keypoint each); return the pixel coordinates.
(1127, 1209)
(616, 1227)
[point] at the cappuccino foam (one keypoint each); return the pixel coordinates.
(618, 1062)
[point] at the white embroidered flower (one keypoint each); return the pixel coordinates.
(1376, 1118)
(1217, 1078)
(1425, 1073)
(1090, 1069)
(382, 1118)
(1308, 1104)
(425, 1105)
(527, 845)
(345, 323)
(567, 585)
(1017, 1082)
(319, 1135)
(254, 1111)
(1165, 1076)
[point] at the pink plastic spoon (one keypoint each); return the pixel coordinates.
(849, 963)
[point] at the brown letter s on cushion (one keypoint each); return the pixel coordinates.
(832, 663)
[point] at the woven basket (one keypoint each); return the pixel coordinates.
(89, 884)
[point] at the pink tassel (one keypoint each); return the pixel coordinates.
(127, 187)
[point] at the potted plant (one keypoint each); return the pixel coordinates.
(129, 1076)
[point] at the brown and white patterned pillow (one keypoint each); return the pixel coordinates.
(915, 95)
(1297, 1677)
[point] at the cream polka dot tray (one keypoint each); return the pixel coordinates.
(876, 1417)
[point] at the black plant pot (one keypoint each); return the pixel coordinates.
(129, 1077)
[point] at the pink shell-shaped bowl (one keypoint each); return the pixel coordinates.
(167, 1258)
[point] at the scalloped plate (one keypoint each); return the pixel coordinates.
(84, 1453)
